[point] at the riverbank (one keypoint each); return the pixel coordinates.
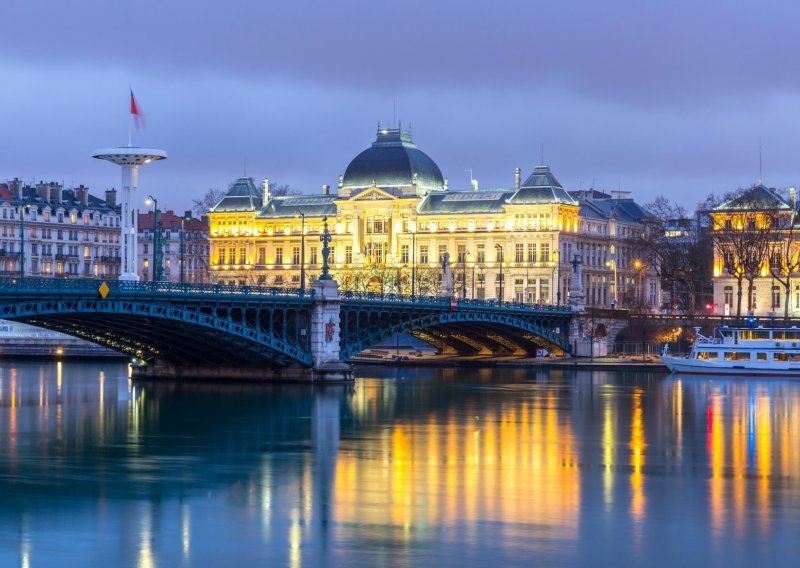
(610, 363)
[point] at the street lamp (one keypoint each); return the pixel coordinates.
(412, 226)
(183, 220)
(557, 275)
(22, 210)
(302, 250)
(464, 275)
(156, 236)
(613, 264)
(638, 265)
(500, 262)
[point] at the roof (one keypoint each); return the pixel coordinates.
(758, 197)
(541, 187)
(393, 160)
(170, 221)
(626, 210)
(484, 201)
(243, 195)
(292, 205)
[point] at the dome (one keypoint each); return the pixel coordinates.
(393, 161)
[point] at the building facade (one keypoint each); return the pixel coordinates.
(393, 220)
(183, 240)
(49, 231)
(756, 267)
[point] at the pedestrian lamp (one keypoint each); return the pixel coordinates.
(638, 265)
(464, 275)
(156, 237)
(500, 262)
(412, 227)
(185, 218)
(302, 250)
(22, 210)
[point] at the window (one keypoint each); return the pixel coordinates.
(519, 252)
(348, 254)
(262, 255)
(761, 356)
(295, 255)
(776, 297)
(729, 295)
(462, 253)
(481, 254)
(312, 256)
(423, 254)
(532, 252)
(278, 255)
(544, 255)
(499, 256)
(442, 252)
(403, 254)
(737, 356)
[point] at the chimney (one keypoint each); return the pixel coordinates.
(517, 178)
(793, 197)
(42, 191)
(55, 192)
(326, 189)
(474, 185)
(15, 188)
(265, 189)
(111, 197)
(82, 194)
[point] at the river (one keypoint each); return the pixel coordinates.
(409, 467)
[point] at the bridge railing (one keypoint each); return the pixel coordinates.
(446, 301)
(44, 285)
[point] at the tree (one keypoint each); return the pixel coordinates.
(743, 239)
(204, 204)
(678, 247)
(785, 253)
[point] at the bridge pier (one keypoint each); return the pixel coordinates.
(326, 334)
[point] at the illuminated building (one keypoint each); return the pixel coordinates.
(753, 229)
(393, 218)
(65, 233)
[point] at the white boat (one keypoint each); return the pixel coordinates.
(756, 351)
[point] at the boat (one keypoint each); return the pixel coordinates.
(751, 351)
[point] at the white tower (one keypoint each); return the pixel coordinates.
(129, 159)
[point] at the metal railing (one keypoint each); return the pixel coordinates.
(44, 285)
(446, 301)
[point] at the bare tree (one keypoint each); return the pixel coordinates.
(203, 205)
(743, 241)
(785, 252)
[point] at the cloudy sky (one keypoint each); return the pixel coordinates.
(652, 97)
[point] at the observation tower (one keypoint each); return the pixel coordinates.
(129, 158)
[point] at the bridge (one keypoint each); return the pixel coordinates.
(175, 330)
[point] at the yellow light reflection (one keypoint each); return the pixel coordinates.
(637, 446)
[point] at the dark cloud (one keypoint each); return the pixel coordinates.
(656, 97)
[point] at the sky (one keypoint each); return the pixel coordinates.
(677, 98)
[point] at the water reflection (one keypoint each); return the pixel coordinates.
(428, 467)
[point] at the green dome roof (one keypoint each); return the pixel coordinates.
(393, 161)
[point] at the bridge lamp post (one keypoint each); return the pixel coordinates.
(464, 276)
(499, 249)
(557, 275)
(22, 210)
(183, 248)
(156, 235)
(413, 228)
(302, 250)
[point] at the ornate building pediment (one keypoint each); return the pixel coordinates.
(372, 194)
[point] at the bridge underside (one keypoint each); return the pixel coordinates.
(457, 333)
(163, 335)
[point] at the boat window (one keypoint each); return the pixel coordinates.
(785, 334)
(737, 355)
(794, 357)
(707, 355)
(761, 356)
(754, 334)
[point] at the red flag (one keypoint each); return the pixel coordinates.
(136, 111)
